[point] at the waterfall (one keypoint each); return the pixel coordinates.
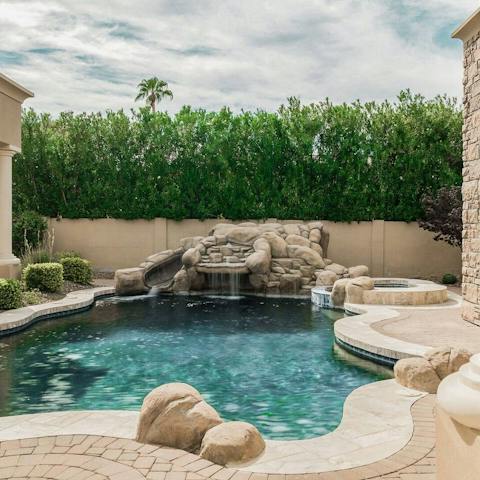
(234, 283)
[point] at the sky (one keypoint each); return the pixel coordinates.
(89, 55)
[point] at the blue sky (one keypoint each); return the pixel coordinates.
(89, 55)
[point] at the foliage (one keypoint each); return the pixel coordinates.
(59, 256)
(32, 297)
(153, 91)
(10, 294)
(41, 253)
(449, 279)
(47, 277)
(77, 270)
(443, 214)
(27, 227)
(333, 162)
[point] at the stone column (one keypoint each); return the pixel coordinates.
(9, 263)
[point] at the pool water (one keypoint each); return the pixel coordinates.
(268, 361)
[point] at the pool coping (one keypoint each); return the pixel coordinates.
(368, 432)
(13, 321)
(356, 332)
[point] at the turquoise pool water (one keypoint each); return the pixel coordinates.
(267, 361)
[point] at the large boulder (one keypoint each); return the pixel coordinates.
(318, 249)
(338, 292)
(358, 271)
(290, 283)
(232, 443)
(446, 360)
(278, 245)
(191, 257)
(325, 278)
(426, 373)
(222, 228)
(259, 262)
(355, 288)
(416, 373)
(175, 415)
(196, 279)
(190, 242)
(336, 268)
(292, 228)
(307, 254)
(181, 281)
(315, 235)
(243, 235)
(297, 240)
(130, 281)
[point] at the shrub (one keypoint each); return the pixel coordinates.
(443, 215)
(47, 277)
(67, 254)
(77, 270)
(10, 294)
(449, 279)
(32, 297)
(41, 253)
(28, 228)
(346, 162)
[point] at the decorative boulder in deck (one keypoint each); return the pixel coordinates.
(426, 373)
(232, 443)
(175, 415)
(325, 278)
(130, 281)
(355, 288)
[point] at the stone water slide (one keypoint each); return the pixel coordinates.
(269, 258)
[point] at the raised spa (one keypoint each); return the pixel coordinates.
(268, 361)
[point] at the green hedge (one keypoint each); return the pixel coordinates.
(77, 270)
(47, 277)
(10, 294)
(335, 162)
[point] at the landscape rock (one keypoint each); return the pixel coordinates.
(336, 268)
(190, 242)
(358, 271)
(297, 240)
(317, 248)
(231, 443)
(416, 373)
(130, 281)
(191, 257)
(315, 235)
(243, 235)
(290, 283)
(181, 281)
(355, 288)
(258, 262)
(446, 360)
(325, 278)
(277, 244)
(258, 281)
(175, 415)
(307, 254)
(338, 291)
(292, 229)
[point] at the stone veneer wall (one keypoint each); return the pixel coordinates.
(471, 181)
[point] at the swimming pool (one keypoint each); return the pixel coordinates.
(268, 361)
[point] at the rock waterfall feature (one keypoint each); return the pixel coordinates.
(269, 258)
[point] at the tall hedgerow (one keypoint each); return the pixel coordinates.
(352, 162)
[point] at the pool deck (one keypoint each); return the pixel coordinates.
(387, 431)
(97, 445)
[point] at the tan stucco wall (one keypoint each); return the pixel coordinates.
(458, 449)
(388, 248)
(10, 111)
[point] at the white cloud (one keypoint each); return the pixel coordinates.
(89, 55)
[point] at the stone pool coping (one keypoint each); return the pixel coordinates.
(378, 422)
(357, 333)
(12, 321)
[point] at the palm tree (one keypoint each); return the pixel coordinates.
(153, 90)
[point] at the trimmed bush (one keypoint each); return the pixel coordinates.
(77, 270)
(67, 254)
(345, 162)
(449, 279)
(10, 294)
(32, 297)
(47, 277)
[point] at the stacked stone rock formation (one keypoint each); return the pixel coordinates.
(285, 259)
(177, 416)
(426, 373)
